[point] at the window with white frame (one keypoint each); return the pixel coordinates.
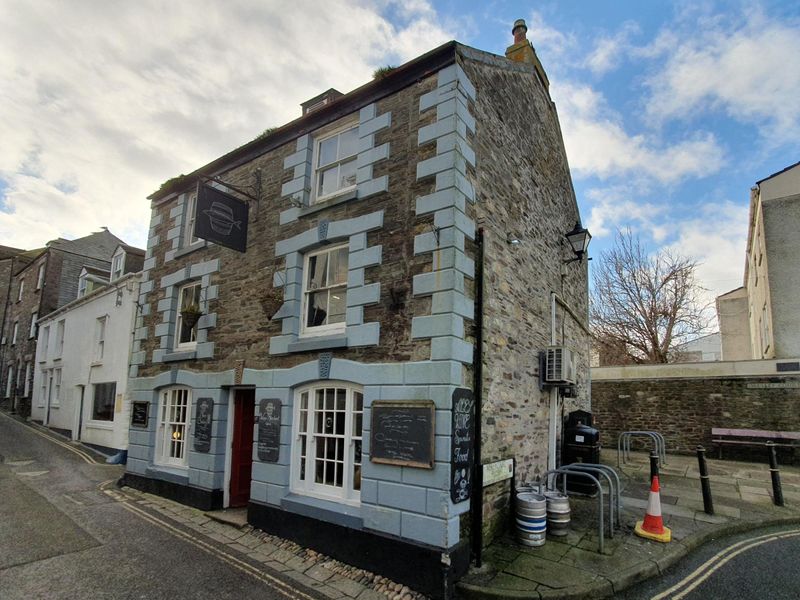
(100, 337)
(765, 338)
(117, 266)
(173, 421)
(59, 349)
(56, 386)
(189, 218)
(9, 380)
(21, 289)
(325, 291)
(335, 163)
(103, 402)
(27, 384)
(185, 323)
(32, 332)
(83, 283)
(45, 344)
(14, 333)
(327, 454)
(40, 277)
(19, 378)
(43, 388)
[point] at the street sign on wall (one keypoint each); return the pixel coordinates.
(221, 218)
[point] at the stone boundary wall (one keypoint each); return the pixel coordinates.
(683, 402)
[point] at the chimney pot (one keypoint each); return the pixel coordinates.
(519, 30)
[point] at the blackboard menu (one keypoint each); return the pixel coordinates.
(139, 413)
(269, 430)
(462, 445)
(204, 409)
(402, 433)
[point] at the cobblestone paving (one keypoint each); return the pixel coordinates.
(311, 569)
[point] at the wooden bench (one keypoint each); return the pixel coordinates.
(753, 437)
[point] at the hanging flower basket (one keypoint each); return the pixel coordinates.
(191, 314)
(272, 302)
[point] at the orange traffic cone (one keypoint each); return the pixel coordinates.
(652, 527)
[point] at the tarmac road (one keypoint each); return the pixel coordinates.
(757, 564)
(63, 537)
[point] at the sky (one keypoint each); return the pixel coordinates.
(671, 111)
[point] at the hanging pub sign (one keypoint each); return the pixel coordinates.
(462, 445)
(220, 218)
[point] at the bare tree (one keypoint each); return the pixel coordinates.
(644, 305)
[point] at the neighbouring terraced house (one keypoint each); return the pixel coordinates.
(42, 281)
(405, 255)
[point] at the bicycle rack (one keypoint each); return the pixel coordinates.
(624, 445)
(615, 495)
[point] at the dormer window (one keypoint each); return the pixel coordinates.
(335, 163)
(83, 284)
(117, 265)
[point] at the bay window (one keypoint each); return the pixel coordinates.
(327, 450)
(173, 422)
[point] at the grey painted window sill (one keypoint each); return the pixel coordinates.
(324, 510)
(182, 355)
(336, 200)
(172, 474)
(184, 251)
(322, 342)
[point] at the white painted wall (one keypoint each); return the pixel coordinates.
(81, 367)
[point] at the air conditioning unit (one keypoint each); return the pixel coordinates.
(559, 367)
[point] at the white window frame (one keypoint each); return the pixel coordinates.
(189, 216)
(43, 388)
(94, 401)
(83, 284)
(302, 479)
(315, 196)
(45, 343)
(174, 417)
(27, 386)
(192, 344)
(117, 266)
(9, 380)
(40, 277)
(21, 289)
(34, 317)
(60, 331)
(56, 388)
(15, 332)
(765, 336)
(100, 337)
(329, 328)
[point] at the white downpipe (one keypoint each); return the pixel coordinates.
(551, 446)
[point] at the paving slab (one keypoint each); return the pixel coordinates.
(549, 573)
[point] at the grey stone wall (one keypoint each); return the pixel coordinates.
(525, 192)
(685, 409)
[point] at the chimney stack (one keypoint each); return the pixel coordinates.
(522, 51)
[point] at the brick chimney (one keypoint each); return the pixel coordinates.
(522, 51)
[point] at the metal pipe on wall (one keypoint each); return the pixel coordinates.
(477, 389)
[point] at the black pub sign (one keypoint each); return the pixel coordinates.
(221, 218)
(462, 448)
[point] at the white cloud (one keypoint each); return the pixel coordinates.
(716, 237)
(608, 50)
(747, 69)
(103, 101)
(616, 208)
(598, 144)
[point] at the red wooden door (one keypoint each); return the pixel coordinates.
(242, 447)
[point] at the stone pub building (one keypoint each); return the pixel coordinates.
(405, 256)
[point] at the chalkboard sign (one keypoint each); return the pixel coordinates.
(462, 445)
(402, 433)
(139, 413)
(204, 409)
(269, 430)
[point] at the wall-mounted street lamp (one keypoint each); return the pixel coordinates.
(578, 239)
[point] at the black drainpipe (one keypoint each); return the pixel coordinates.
(477, 369)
